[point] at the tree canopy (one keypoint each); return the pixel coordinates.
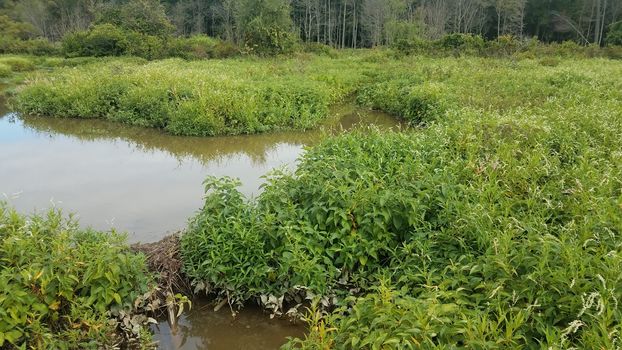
(339, 23)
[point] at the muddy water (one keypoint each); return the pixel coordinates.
(138, 180)
(203, 328)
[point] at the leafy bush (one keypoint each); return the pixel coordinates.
(142, 16)
(263, 40)
(412, 46)
(99, 40)
(39, 47)
(614, 34)
(266, 27)
(19, 38)
(10, 28)
(63, 287)
(413, 101)
(466, 43)
(319, 49)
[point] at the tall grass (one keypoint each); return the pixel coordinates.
(193, 98)
(256, 95)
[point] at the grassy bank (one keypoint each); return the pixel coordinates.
(496, 226)
(242, 96)
(14, 69)
(195, 98)
(62, 287)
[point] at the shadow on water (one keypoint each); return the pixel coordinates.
(203, 328)
(141, 180)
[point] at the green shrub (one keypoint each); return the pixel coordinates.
(146, 46)
(108, 40)
(39, 47)
(319, 49)
(613, 52)
(146, 17)
(550, 61)
(227, 223)
(266, 27)
(412, 46)
(411, 100)
(63, 287)
(99, 40)
(264, 40)
(462, 42)
(190, 98)
(614, 34)
(496, 226)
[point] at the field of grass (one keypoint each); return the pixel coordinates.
(495, 224)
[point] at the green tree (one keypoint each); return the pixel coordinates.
(614, 35)
(265, 26)
(142, 16)
(15, 30)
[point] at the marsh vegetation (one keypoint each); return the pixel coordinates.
(493, 223)
(490, 219)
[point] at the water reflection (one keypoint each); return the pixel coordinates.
(135, 179)
(202, 328)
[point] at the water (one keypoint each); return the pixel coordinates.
(203, 328)
(138, 180)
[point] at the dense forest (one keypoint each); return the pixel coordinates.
(339, 23)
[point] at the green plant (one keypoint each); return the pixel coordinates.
(266, 27)
(410, 99)
(63, 287)
(146, 17)
(201, 47)
(173, 95)
(99, 40)
(495, 226)
(614, 34)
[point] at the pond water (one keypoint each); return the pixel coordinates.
(138, 180)
(204, 328)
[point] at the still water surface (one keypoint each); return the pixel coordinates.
(202, 328)
(134, 179)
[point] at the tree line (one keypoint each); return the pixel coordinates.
(338, 23)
